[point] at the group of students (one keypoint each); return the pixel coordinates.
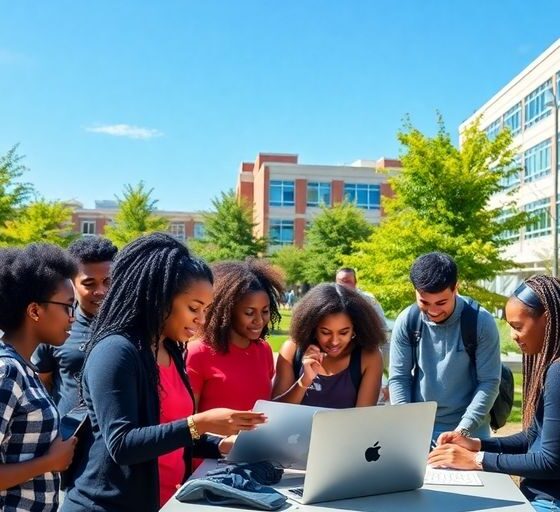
(170, 355)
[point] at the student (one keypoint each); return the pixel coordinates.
(36, 304)
(60, 367)
(464, 402)
(232, 365)
(335, 331)
(132, 380)
(533, 312)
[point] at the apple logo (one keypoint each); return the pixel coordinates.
(293, 439)
(372, 453)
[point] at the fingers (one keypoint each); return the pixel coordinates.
(446, 437)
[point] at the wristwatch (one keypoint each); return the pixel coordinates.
(478, 458)
(465, 432)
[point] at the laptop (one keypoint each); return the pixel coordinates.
(366, 451)
(282, 440)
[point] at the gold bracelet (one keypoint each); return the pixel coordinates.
(192, 429)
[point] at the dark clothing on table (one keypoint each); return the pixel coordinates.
(535, 454)
(120, 472)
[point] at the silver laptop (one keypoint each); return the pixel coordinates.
(365, 451)
(283, 440)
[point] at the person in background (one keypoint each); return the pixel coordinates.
(60, 367)
(232, 364)
(36, 305)
(533, 312)
(333, 357)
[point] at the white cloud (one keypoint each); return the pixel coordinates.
(126, 130)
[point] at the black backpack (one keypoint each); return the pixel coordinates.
(355, 365)
(469, 316)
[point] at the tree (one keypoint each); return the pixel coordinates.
(136, 216)
(442, 202)
(228, 231)
(39, 221)
(291, 260)
(331, 237)
(13, 193)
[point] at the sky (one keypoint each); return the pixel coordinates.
(178, 93)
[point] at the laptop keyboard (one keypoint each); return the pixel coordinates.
(298, 491)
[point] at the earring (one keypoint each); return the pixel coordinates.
(353, 336)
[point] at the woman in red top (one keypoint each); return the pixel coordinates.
(232, 366)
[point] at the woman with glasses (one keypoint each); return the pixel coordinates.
(36, 305)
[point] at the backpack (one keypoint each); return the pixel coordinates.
(501, 409)
(355, 365)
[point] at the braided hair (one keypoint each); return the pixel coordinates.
(235, 279)
(535, 366)
(146, 275)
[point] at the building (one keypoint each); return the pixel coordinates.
(523, 106)
(285, 195)
(92, 221)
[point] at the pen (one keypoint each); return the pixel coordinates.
(433, 445)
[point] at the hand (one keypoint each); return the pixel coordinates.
(312, 364)
(452, 456)
(226, 422)
(471, 444)
(226, 444)
(60, 454)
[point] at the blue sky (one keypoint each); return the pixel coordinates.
(105, 93)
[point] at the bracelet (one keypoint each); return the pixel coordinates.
(301, 384)
(192, 429)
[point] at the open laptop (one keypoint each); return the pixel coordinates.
(282, 440)
(365, 451)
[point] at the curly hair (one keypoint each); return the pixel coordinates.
(327, 299)
(28, 275)
(235, 279)
(93, 249)
(535, 366)
(146, 275)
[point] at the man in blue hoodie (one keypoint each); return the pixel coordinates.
(464, 390)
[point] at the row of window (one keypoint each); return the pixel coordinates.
(282, 193)
(534, 110)
(541, 224)
(177, 229)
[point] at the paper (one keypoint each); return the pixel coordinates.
(451, 477)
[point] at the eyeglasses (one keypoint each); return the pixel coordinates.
(70, 308)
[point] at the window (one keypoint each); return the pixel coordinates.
(281, 232)
(318, 194)
(541, 224)
(199, 231)
(281, 193)
(537, 161)
(87, 227)
(508, 234)
(513, 179)
(177, 229)
(493, 129)
(512, 119)
(363, 195)
(535, 109)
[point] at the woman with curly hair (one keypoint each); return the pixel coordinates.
(333, 357)
(232, 364)
(36, 305)
(533, 312)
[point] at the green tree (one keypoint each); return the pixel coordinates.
(228, 231)
(136, 216)
(39, 221)
(330, 239)
(13, 193)
(291, 260)
(442, 202)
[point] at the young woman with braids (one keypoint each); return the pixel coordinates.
(232, 365)
(533, 312)
(335, 335)
(135, 386)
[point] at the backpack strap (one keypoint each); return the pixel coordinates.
(414, 331)
(469, 324)
(296, 362)
(355, 366)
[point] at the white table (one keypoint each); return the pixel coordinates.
(499, 493)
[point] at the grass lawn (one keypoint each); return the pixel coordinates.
(280, 335)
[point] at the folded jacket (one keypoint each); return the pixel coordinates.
(237, 484)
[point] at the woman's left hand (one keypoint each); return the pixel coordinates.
(452, 456)
(226, 444)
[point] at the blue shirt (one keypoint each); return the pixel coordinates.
(534, 454)
(464, 394)
(65, 363)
